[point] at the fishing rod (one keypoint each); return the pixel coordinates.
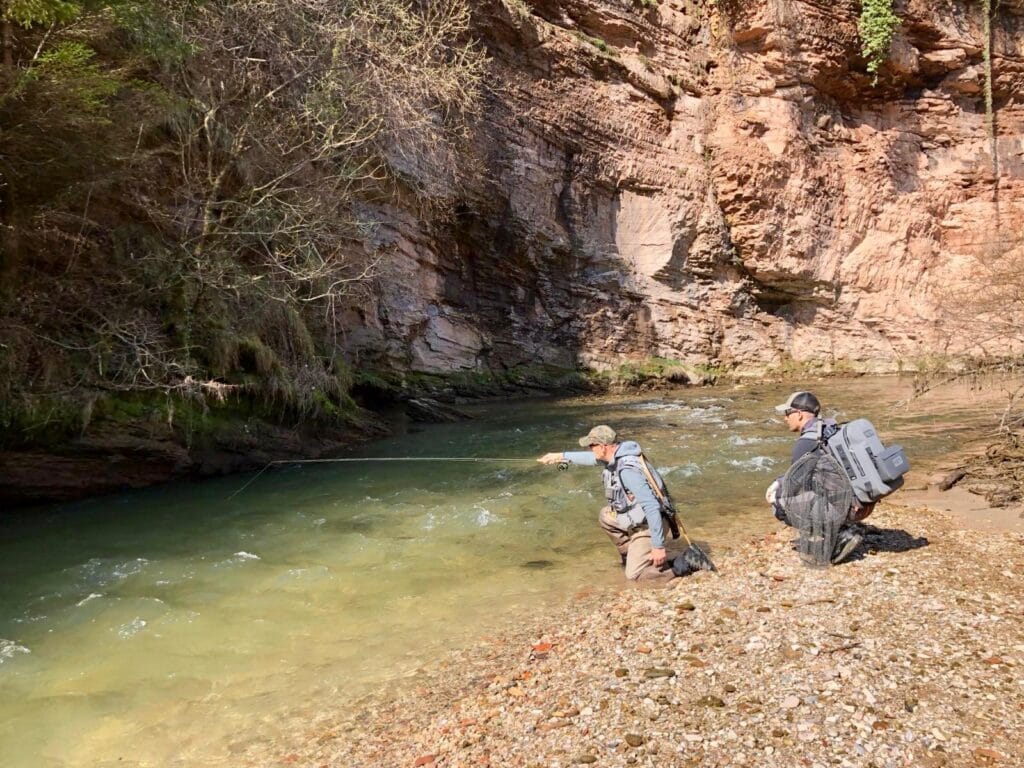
(498, 459)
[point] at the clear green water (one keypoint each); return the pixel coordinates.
(169, 626)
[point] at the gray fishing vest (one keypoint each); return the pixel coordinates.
(619, 499)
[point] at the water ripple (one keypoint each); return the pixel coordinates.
(104, 573)
(757, 463)
(741, 440)
(686, 470)
(484, 517)
(132, 628)
(9, 649)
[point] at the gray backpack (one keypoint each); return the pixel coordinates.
(874, 470)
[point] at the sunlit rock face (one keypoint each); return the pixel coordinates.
(717, 183)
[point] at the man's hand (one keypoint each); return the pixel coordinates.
(658, 555)
(551, 458)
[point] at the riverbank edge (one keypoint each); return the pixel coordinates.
(898, 657)
(116, 442)
(121, 442)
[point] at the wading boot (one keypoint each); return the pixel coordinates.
(846, 542)
(691, 560)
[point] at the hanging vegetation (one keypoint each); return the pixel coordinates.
(187, 189)
(986, 53)
(877, 26)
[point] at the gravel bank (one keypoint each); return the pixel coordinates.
(912, 654)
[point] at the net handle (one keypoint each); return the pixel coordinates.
(661, 497)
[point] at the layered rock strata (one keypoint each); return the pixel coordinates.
(717, 183)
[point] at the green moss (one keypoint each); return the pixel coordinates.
(39, 421)
(788, 368)
(474, 384)
(223, 353)
(256, 357)
(294, 333)
(660, 370)
(597, 42)
(49, 422)
(709, 373)
(386, 383)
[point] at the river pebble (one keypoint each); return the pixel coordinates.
(892, 659)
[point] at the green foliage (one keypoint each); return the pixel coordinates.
(182, 186)
(28, 13)
(58, 104)
(877, 26)
(151, 31)
(70, 70)
(597, 42)
(52, 113)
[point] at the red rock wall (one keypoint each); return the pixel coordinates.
(718, 183)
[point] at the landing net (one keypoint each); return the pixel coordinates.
(816, 496)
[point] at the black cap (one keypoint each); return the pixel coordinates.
(800, 401)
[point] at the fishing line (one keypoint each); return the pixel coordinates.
(382, 458)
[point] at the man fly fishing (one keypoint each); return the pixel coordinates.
(639, 507)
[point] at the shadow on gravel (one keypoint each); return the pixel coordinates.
(886, 540)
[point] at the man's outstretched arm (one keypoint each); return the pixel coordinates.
(583, 458)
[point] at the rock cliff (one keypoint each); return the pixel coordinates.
(719, 183)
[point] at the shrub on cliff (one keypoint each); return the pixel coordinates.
(877, 26)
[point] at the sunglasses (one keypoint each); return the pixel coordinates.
(790, 411)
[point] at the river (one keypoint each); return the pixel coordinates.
(167, 626)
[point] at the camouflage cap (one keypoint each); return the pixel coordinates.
(599, 435)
